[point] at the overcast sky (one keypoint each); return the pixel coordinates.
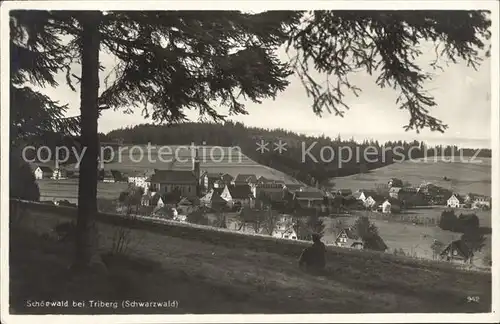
(462, 95)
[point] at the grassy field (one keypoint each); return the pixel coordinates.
(464, 177)
(223, 276)
(413, 239)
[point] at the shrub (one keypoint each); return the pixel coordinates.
(448, 220)
(197, 217)
(467, 222)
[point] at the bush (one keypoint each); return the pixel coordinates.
(197, 217)
(22, 182)
(467, 222)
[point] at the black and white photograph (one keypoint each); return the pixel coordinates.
(250, 161)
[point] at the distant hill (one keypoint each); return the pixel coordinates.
(459, 176)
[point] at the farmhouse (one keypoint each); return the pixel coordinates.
(216, 197)
(215, 180)
(457, 251)
(390, 205)
(348, 238)
(455, 201)
(369, 202)
(310, 199)
(185, 206)
(272, 190)
(478, 201)
(242, 195)
(394, 192)
(375, 243)
(42, 172)
(359, 195)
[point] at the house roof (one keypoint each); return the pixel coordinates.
(460, 198)
(294, 187)
(309, 195)
(245, 178)
(173, 176)
(351, 233)
(395, 189)
(240, 191)
(263, 179)
(375, 243)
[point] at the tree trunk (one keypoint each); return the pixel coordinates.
(89, 92)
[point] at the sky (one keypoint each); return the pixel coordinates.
(461, 93)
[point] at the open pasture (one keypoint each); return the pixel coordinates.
(463, 177)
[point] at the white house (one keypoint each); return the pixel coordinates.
(369, 202)
(455, 201)
(43, 172)
(141, 179)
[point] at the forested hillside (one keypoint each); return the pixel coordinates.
(315, 167)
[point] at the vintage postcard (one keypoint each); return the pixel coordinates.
(249, 161)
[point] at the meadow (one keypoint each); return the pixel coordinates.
(462, 177)
(216, 272)
(415, 240)
(68, 189)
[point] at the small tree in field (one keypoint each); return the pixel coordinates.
(315, 225)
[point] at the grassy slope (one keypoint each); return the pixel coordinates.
(220, 276)
(466, 177)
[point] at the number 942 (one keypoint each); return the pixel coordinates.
(473, 299)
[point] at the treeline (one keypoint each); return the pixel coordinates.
(311, 159)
